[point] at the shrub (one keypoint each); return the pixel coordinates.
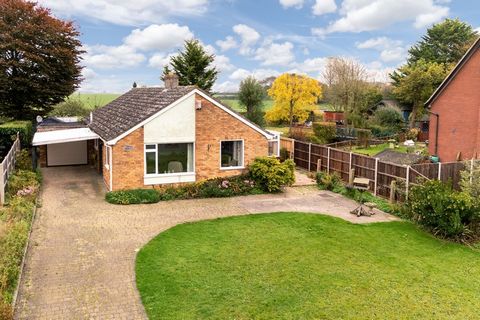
(389, 118)
(24, 161)
(443, 211)
(331, 182)
(364, 136)
(470, 180)
(21, 180)
(70, 108)
(8, 132)
(324, 132)
(135, 196)
(272, 175)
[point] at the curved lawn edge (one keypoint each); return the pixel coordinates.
(294, 265)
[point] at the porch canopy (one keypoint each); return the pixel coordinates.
(63, 136)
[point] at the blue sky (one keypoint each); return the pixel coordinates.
(129, 41)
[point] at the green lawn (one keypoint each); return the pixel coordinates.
(305, 266)
(267, 105)
(375, 149)
(93, 100)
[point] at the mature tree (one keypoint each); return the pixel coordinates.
(295, 96)
(39, 59)
(416, 84)
(445, 42)
(429, 61)
(267, 82)
(347, 88)
(193, 66)
(251, 95)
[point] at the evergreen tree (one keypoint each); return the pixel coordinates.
(193, 66)
(251, 96)
(39, 59)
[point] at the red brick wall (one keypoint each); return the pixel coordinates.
(458, 106)
(128, 161)
(213, 125)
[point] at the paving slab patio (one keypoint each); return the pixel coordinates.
(81, 258)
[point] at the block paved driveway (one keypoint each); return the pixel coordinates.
(81, 258)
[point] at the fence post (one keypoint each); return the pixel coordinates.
(292, 154)
(328, 160)
(439, 171)
(407, 182)
(393, 186)
(376, 178)
(350, 162)
(309, 156)
(2, 183)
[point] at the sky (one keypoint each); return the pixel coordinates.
(127, 41)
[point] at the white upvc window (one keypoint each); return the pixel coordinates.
(231, 154)
(169, 159)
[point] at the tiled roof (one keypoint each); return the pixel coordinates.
(132, 108)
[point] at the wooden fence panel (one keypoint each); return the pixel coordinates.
(301, 154)
(287, 144)
(319, 153)
(340, 163)
(388, 172)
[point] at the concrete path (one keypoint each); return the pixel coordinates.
(81, 259)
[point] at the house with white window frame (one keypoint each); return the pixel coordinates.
(156, 136)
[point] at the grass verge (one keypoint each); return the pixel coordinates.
(305, 266)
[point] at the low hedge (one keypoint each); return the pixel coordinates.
(135, 196)
(8, 131)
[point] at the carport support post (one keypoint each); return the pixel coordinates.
(328, 160)
(376, 178)
(309, 156)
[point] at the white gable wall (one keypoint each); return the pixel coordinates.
(177, 124)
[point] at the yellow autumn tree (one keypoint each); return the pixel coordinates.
(294, 97)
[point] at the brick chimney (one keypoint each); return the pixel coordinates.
(171, 80)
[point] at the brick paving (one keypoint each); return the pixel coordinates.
(81, 259)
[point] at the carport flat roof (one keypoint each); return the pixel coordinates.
(62, 136)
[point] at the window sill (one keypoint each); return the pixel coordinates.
(160, 175)
(232, 168)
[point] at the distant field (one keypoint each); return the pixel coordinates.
(94, 100)
(267, 105)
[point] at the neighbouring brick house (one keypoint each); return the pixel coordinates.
(154, 136)
(455, 111)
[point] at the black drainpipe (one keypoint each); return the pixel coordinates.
(436, 130)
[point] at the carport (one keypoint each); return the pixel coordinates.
(65, 147)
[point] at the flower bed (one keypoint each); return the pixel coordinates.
(265, 175)
(16, 216)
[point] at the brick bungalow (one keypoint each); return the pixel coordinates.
(154, 136)
(455, 111)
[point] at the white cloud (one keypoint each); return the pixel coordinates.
(110, 57)
(477, 30)
(311, 66)
(223, 63)
(159, 60)
(292, 3)
(368, 15)
(390, 50)
(258, 74)
(111, 83)
(127, 12)
(158, 37)
(248, 36)
(324, 6)
(227, 44)
(226, 86)
(376, 72)
(271, 53)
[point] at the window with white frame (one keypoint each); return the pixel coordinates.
(168, 158)
(231, 154)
